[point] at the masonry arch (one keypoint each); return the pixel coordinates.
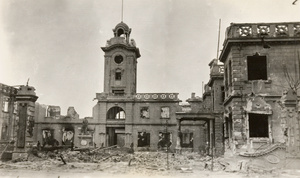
(116, 112)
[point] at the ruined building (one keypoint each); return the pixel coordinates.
(17, 120)
(146, 121)
(249, 106)
(207, 110)
(261, 81)
(8, 111)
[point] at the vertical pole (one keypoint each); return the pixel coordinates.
(211, 130)
(167, 145)
(218, 38)
(122, 11)
(202, 88)
(212, 157)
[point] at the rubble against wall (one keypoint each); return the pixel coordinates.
(125, 161)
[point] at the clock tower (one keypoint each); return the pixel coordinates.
(120, 68)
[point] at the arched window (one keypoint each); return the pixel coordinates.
(121, 33)
(116, 113)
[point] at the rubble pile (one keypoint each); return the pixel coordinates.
(118, 160)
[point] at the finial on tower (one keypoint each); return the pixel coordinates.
(27, 82)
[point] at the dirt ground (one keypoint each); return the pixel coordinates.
(120, 170)
(119, 163)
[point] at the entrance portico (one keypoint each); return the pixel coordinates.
(207, 120)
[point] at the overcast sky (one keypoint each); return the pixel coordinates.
(56, 43)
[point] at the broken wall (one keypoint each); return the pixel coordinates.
(239, 88)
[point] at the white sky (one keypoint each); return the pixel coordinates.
(56, 43)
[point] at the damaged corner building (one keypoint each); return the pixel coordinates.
(261, 81)
(249, 106)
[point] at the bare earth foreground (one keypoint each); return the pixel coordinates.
(119, 163)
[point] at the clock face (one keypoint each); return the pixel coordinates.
(118, 59)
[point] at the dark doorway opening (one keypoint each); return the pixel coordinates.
(115, 136)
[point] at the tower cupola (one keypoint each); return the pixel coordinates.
(121, 54)
(122, 30)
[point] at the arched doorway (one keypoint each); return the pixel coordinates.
(115, 130)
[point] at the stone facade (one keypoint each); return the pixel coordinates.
(249, 106)
(8, 111)
(261, 63)
(208, 111)
(146, 121)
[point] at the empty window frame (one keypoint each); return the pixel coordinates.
(228, 127)
(144, 112)
(258, 125)
(222, 94)
(118, 92)
(257, 67)
(165, 112)
(187, 140)
(165, 140)
(143, 139)
(5, 106)
(118, 74)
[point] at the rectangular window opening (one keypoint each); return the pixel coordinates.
(222, 94)
(5, 106)
(257, 67)
(187, 140)
(165, 140)
(118, 92)
(258, 125)
(165, 112)
(143, 139)
(118, 76)
(144, 112)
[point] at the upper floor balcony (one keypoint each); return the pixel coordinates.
(266, 30)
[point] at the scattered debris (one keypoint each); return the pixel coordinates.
(121, 160)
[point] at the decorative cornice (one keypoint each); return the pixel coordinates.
(129, 48)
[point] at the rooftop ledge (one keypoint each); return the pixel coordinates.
(258, 30)
(141, 96)
(156, 96)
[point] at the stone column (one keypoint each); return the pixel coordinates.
(26, 98)
(21, 132)
(11, 116)
(102, 138)
(178, 141)
(211, 136)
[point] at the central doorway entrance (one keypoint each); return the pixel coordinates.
(115, 136)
